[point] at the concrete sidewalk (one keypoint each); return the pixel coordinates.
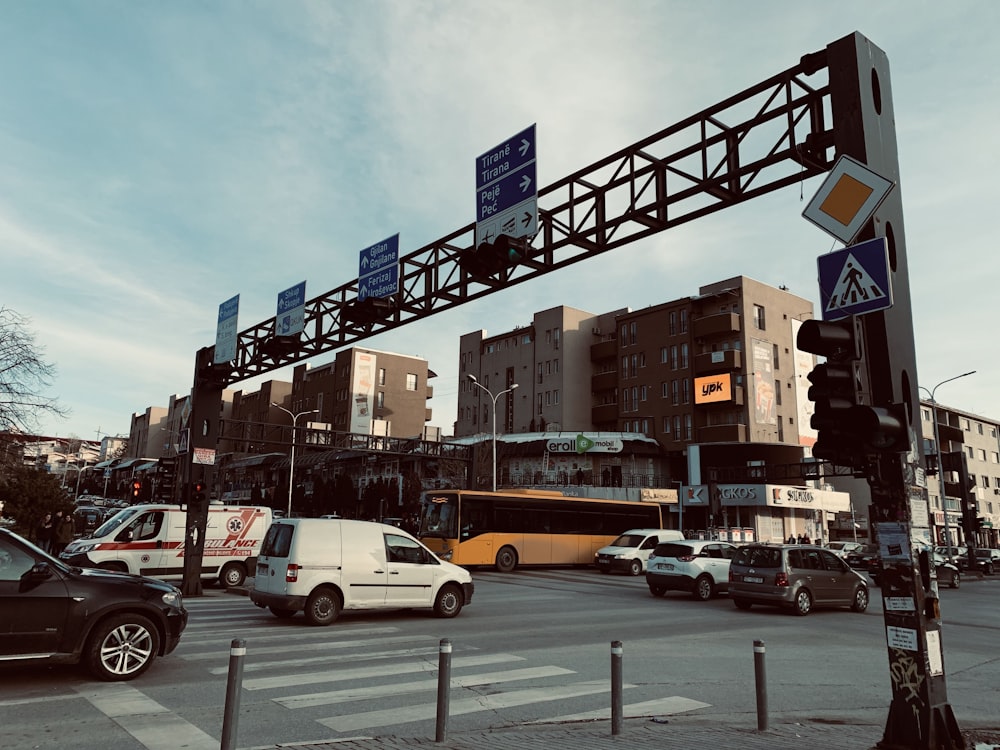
(660, 734)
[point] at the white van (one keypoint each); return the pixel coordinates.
(322, 566)
(630, 551)
(149, 540)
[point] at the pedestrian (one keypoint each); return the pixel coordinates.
(62, 532)
(43, 533)
(805, 539)
(579, 477)
(800, 539)
(791, 538)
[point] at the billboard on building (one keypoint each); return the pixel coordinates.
(710, 389)
(362, 391)
(804, 408)
(765, 411)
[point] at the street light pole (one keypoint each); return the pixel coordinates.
(291, 460)
(475, 382)
(937, 448)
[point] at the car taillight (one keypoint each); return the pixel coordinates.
(686, 558)
(781, 579)
(732, 578)
(292, 573)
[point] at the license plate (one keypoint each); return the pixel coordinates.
(753, 579)
(664, 566)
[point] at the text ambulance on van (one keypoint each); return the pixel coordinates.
(149, 540)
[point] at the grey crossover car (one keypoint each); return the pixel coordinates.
(797, 576)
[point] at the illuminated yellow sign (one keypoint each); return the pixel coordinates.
(713, 388)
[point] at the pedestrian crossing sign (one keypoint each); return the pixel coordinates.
(855, 280)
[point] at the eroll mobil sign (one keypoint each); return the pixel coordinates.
(712, 388)
(583, 444)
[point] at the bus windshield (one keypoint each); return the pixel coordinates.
(439, 517)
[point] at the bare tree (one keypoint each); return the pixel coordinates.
(24, 375)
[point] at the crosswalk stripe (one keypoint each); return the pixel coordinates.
(283, 638)
(360, 673)
(660, 706)
(401, 715)
(315, 660)
(152, 725)
(310, 700)
(255, 651)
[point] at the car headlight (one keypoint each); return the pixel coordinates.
(620, 556)
(173, 599)
(78, 548)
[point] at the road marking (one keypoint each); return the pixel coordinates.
(283, 681)
(318, 646)
(151, 724)
(282, 637)
(416, 686)
(389, 716)
(657, 707)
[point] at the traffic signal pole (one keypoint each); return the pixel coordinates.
(920, 716)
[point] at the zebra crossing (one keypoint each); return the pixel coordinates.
(379, 678)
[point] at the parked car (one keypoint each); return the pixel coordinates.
(697, 566)
(987, 560)
(860, 559)
(948, 574)
(86, 518)
(952, 553)
(115, 624)
(842, 549)
(630, 551)
(797, 576)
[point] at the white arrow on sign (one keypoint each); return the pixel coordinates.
(525, 145)
(525, 183)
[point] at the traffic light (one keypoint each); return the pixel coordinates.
(490, 258)
(836, 387)
(136, 488)
(368, 310)
(198, 494)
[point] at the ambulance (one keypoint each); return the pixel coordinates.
(148, 540)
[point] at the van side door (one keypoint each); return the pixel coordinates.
(411, 573)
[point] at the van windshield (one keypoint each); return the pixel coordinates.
(628, 540)
(114, 522)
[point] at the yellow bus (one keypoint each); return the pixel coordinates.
(526, 527)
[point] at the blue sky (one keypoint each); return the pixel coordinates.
(158, 158)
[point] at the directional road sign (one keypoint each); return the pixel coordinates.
(507, 189)
(378, 269)
(291, 315)
(855, 280)
(225, 331)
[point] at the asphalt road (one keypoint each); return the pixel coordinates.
(532, 646)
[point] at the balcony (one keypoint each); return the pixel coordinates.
(604, 381)
(603, 350)
(720, 324)
(723, 433)
(604, 413)
(730, 359)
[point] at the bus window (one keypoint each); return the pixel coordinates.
(439, 518)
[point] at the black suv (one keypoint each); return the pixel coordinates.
(114, 623)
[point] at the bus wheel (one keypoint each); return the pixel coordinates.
(506, 559)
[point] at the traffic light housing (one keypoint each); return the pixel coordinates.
(491, 258)
(198, 494)
(136, 488)
(368, 310)
(849, 430)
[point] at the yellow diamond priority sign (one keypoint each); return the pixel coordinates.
(847, 199)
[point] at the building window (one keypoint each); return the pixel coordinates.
(677, 428)
(673, 322)
(663, 355)
(381, 376)
(548, 398)
(624, 368)
(666, 425)
(684, 321)
(675, 392)
(687, 390)
(925, 414)
(635, 366)
(411, 381)
(673, 357)
(642, 359)
(684, 356)
(687, 427)
(664, 390)
(539, 403)
(555, 397)
(775, 358)
(555, 338)
(555, 365)
(380, 400)
(777, 393)
(643, 393)
(539, 372)
(758, 317)
(632, 332)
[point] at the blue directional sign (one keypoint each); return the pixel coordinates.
(507, 189)
(291, 315)
(378, 269)
(855, 280)
(226, 331)
(507, 157)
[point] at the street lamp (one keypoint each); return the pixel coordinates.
(937, 448)
(291, 460)
(472, 377)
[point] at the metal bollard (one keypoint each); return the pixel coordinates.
(230, 720)
(760, 678)
(444, 690)
(616, 687)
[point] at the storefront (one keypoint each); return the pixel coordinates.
(775, 512)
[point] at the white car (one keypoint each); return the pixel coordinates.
(843, 549)
(700, 567)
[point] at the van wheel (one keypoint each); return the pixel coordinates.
(282, 614)
(635, 568)
(803, 603)
(122, 647)
(322, 607)
(449, 601)
(704, 588)
(506, 559)
(115, 567)
(232, 575)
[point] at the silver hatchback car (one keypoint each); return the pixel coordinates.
(798, 576)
